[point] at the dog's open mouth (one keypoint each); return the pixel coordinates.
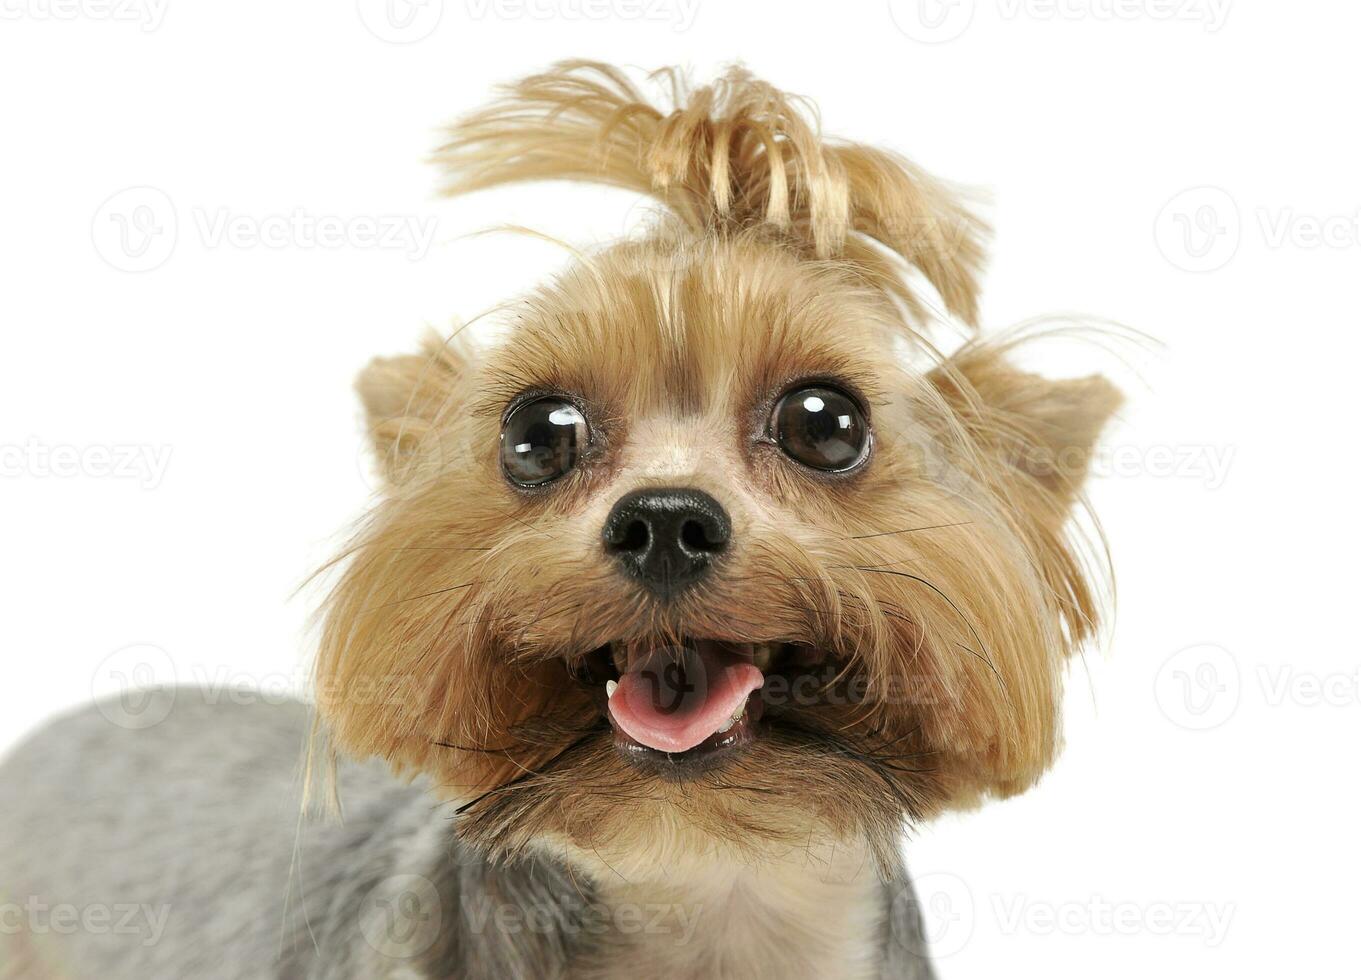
(691, 699)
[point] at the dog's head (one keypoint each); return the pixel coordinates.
(714, 550)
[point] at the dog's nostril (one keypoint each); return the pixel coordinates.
(635, 537)
(695, 536)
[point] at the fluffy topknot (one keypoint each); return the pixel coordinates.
(734, 156)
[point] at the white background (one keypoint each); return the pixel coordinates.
(181, 445)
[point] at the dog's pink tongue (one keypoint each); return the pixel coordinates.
(671, 700)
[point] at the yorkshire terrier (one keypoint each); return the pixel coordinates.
(683, 601)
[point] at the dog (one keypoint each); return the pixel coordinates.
(682, 602)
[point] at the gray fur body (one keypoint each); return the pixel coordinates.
(176, 852)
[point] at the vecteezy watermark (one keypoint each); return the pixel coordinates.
(1200, 229)
(932, 21)
(1202, 686)
(1283, 684)
(36, 918)
(222, 684)
(1288, 228)
(938, 21)
(134, 687)
(1099, 916)
(148, 14)
(135, 229)
(144, 464)
(1199, 687)
(405, 233)
(944, 904)
(401, 21)
(408, 21)
(138, 683)
(138, 229)
(1207, 464)
(401, 916)
(673, 922)
(950, 911)
(680, 14)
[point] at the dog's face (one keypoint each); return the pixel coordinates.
(710, 553)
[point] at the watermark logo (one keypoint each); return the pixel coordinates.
(135, 230)
(1199, 230)
(134, 687)
(1202, 686)
(1199, 687)
(401, 21)
(663, 259)
(674, 679)
(403, 458)
(401, 916)
(945, 905)
(949, 913)
(932, 21)
(680, 14)
(139, 228)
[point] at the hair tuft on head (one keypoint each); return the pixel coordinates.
(735, 156)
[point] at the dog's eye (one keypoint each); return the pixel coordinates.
(821, 427)
(541, 441)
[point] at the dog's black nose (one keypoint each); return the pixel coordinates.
(667, 538)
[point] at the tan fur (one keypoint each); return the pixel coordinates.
(806, 911)
(735, 155)
(21, 959)
(945, 572)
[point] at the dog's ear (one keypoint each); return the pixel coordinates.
(404, 398)
(1030, 441)
(1034, 432)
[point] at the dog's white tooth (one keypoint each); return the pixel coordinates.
(610, 688)
(736, 717)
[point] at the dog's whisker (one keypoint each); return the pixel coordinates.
(901, 561)
(528, 775)
(413, 598)
(953, 605)
(473, 748)
(908, 530)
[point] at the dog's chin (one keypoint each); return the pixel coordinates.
(684, 710)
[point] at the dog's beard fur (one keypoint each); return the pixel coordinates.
(942, 580)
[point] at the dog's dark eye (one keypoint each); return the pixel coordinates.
(821, 427)
(542, 440)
